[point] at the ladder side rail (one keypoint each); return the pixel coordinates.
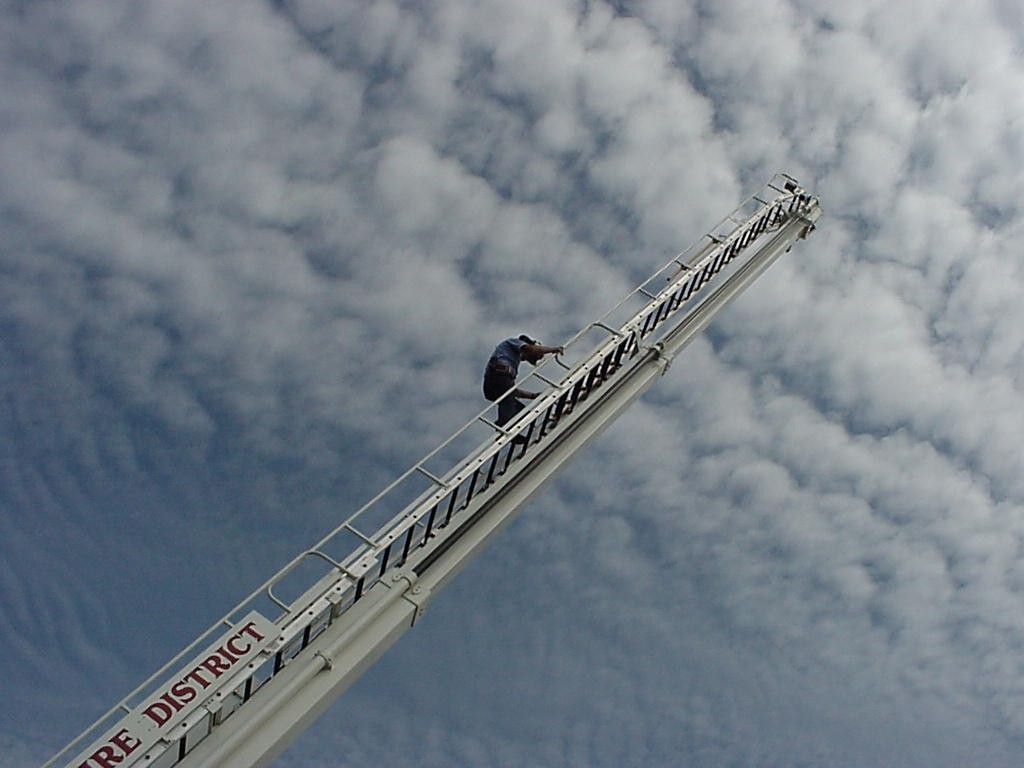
(596, 371)
(743, 227)
(653, 316)
(295, 636)
(309, 670)
(362, 561)
(306, 626)
(344, 655)
(697, 249)
(651, 361)
(363, 555)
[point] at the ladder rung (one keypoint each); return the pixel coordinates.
(358, 534)
(431, 476)
(545, 379)
(615, 331)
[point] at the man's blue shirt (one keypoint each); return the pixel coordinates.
(508, 353)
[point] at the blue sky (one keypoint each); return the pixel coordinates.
(254, 256)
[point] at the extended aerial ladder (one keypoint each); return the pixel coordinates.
(245, 688)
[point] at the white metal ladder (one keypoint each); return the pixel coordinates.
(368, 580)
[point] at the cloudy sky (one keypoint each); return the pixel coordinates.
(255, 254)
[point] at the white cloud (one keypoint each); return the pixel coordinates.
(255, 257)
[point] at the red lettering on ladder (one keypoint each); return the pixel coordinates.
(215, 665)
(108, 756)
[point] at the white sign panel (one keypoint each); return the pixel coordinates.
(180, 696)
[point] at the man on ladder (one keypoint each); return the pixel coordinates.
(502, 369)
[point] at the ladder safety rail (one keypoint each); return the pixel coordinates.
(411, 536)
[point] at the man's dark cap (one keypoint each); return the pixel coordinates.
(524, 338)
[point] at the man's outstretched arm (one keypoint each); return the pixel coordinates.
(541, 349)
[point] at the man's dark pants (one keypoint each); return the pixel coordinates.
(496, 384)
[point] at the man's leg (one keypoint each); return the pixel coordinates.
(508, 409)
